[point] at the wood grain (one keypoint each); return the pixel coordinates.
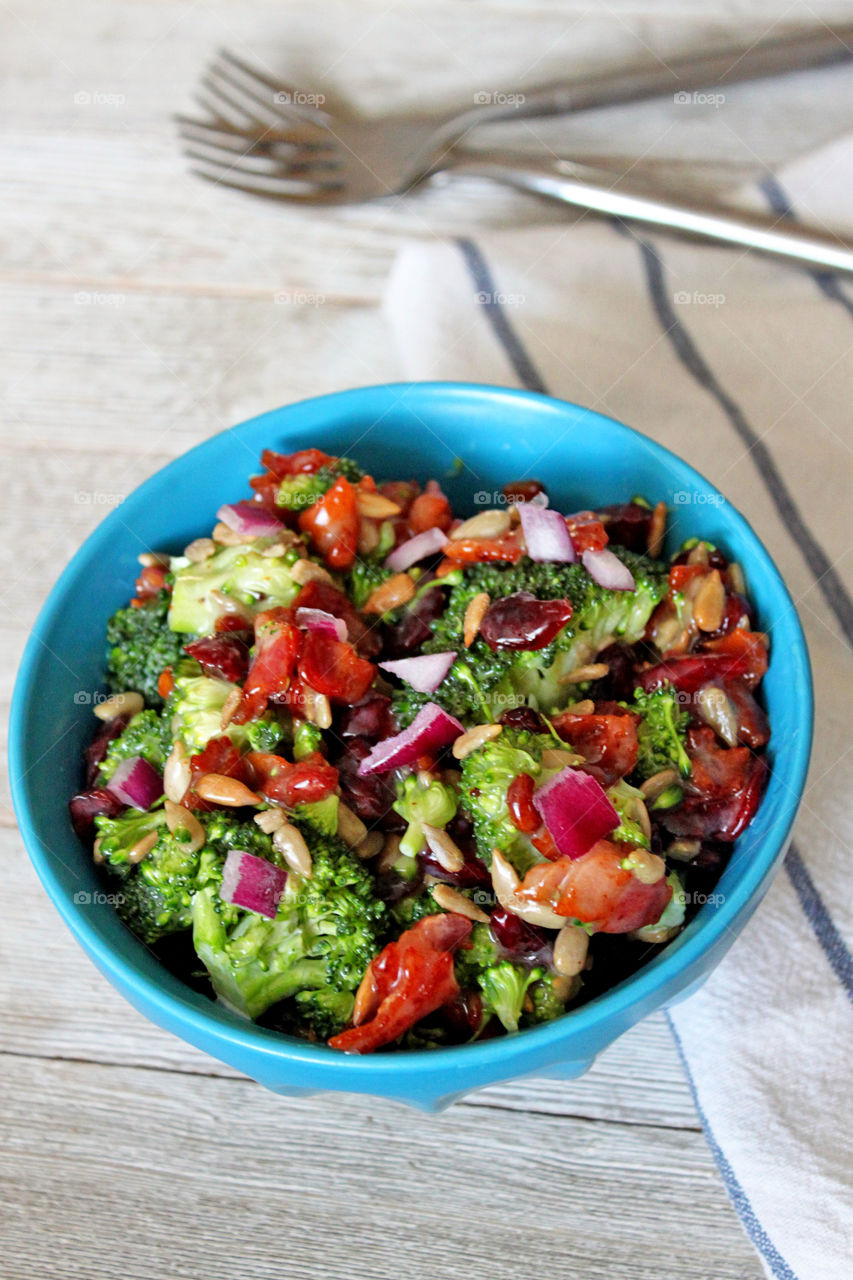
(214, 1177)
(141, 311)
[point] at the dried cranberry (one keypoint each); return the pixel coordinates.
(85, 807)
(464, 1015)
(370, 718)
(224, 656)
(522, 490)
(519, 801)
(518, 940)
(521, 621)
(620, 681)
(627, 524)
(522, 718)
(97, 748)
(372, 796)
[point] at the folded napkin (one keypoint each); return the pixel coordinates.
(743, 366)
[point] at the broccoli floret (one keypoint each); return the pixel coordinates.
(363, 579)
(483, 681)
(504, 987)
(409, 910)
(140, 644)
(550, 995)
(326, 1011)
(629, 803)
(306, 738)
(148, 734)
(661, 731)
(155, 893)
(265, 734)
(486, 776)
(302, 490)
(194, 714)
(254, 580)
(475, 956)
(322, 814)
(326, 931)
(517, 994)
(421, 799)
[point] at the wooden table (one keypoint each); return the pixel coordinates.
(140, 311)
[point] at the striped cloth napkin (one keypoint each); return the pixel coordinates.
(743, 366)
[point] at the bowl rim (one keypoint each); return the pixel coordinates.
(647, 983)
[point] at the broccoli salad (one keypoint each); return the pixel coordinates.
(375, 774)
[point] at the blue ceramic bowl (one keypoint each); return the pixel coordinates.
(399, 430)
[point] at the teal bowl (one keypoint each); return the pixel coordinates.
(419, 429)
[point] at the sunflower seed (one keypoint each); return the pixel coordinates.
(390, 594)
(375, 506)
(486, 524)
(180, 818)
(474, 615)
(451, 899)
(471, 739)
(200, 549)
(120, 704)
(230, 792)
(570, 950)
(290, 843)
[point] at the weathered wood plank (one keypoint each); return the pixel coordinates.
(137, 1175)
(54, 1004)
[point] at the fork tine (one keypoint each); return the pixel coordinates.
(216, 99)
(253, 75)
(237, 140)
(252, 162)
(304, 192)
(264, 102)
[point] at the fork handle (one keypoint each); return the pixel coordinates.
(586, 188)
(814, 46)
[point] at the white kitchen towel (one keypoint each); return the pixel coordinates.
(743, 366)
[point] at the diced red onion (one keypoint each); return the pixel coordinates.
(546, 534)
(608, 570)
(249, 520)
(425, 672)
(576, 811)
(431, 729)
(415, 549)
(252, 883)
(435, 490)
(136, 782)
(320, 620)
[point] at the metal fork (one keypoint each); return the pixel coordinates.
(270, 139)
